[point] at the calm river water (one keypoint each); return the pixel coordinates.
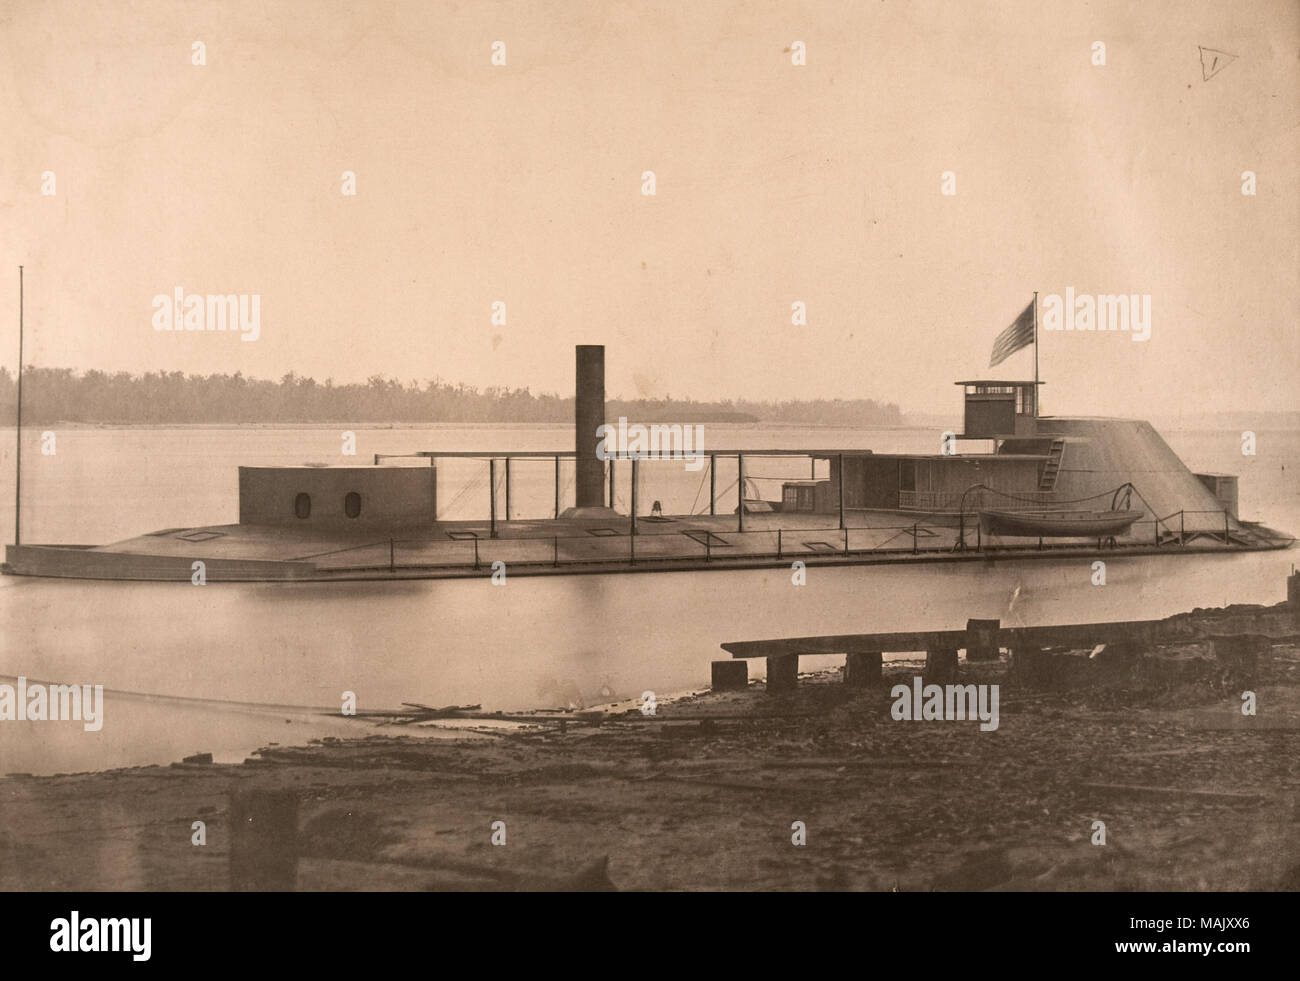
(261, 657)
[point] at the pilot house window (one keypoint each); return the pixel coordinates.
(352, 504)
(302, 505)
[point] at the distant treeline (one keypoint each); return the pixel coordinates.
(52, 395)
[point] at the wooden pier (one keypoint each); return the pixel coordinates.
(1238, 634)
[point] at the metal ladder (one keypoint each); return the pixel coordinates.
(1052, 467)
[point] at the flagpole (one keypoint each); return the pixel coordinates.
(18, 430)
(1035, 354)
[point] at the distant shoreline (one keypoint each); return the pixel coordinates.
(1165, 425)
(370, 427)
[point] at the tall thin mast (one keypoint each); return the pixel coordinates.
(18, 432)
(1035, 354)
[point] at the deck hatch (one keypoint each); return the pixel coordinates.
(707, 538)
(201, 536)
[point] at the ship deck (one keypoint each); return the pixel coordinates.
(568, 545)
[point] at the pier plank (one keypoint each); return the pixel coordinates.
(1050, 635)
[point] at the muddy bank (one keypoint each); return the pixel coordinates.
(1193, 795)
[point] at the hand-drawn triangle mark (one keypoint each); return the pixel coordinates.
(1213, 61)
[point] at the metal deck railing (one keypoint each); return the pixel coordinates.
(710, 546)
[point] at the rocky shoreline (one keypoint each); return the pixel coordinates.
(714, 791)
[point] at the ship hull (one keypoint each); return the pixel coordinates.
(705, 550)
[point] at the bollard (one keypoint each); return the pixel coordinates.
(863, 669)
(782, 672)
(731, 675)
(263, 840)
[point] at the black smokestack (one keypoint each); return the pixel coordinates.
(588, 416)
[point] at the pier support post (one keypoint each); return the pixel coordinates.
(713, 484)
(982, 640)
(1027, 664)
(263, 840)
(507, 488)
(941, 664)
(730, 675)
(557, 486)
(782, 672)
(863, 669)
(611, 483)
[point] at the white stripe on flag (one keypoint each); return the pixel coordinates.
(1019, 334)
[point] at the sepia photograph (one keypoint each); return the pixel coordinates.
(587, 446)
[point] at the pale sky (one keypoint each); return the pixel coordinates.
(775, 183)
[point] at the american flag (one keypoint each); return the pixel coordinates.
(1019, 334)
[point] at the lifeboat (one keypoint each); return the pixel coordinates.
(1057, 524)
